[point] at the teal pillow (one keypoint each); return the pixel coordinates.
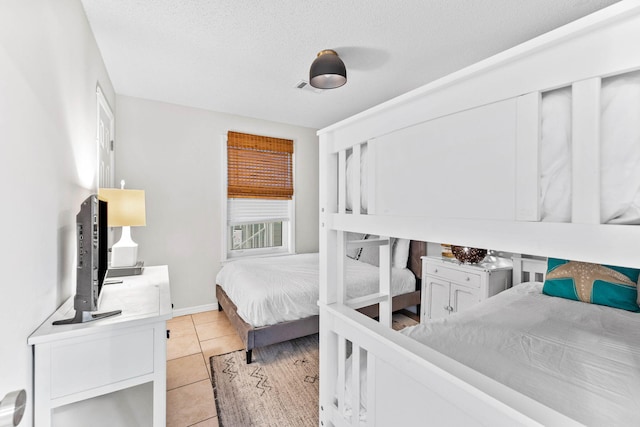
(593, 283)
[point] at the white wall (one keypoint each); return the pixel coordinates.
(49, 68)
(173, 153)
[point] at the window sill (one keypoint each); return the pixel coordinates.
(262, 255)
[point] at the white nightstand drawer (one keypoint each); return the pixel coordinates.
(84, 364)
(462, 277)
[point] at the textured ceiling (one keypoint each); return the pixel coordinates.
(246, 57)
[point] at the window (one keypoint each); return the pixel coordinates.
(259, 195)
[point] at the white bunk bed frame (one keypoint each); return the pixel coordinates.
(495, 100)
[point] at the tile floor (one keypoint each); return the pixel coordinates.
(194, 338)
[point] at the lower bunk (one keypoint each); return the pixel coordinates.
(519, 358)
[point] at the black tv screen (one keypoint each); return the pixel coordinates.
(103, 244)
(91, 223)
(92, 261)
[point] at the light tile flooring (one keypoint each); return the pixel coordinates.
(194, 338)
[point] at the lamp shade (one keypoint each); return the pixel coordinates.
(124, 207)
(327, 71)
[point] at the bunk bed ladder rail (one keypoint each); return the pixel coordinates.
(339, 355)
(342, 353)
(383, 297)
(347, 408)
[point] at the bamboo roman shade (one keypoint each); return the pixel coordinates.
(259, 167)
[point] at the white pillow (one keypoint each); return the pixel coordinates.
(400, 253)
(354, 253)
(351, 180)
(370, 254)
(620, 149)
(555, 156)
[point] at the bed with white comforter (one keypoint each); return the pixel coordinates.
(267, 291)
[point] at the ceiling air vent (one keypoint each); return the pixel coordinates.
(304, 85)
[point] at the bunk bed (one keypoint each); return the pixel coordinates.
(274, 299)
(484, 148)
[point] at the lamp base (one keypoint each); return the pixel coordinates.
(124, 256)
(125, 252)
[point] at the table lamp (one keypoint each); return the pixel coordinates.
(125, 208)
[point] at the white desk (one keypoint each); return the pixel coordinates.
(75, 364)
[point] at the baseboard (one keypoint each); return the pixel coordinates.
(410, 313)
(193, 310)
(413, 309)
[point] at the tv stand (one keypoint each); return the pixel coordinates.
(86, 316)
(113, 369)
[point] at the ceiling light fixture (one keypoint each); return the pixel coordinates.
(327, 70)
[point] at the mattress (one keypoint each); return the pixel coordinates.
(555, 156)
(271, 290)
(580, 359)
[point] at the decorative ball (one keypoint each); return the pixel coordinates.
(468, 255)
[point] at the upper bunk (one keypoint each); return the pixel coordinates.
(482, 157)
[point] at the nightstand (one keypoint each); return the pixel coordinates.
(449, 286)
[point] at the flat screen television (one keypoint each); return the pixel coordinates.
(91, 262)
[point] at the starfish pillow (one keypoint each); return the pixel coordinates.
(592, 283)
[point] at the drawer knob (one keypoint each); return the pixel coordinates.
(435, 270)
(468, 278)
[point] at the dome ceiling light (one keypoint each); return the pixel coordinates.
(327, 70)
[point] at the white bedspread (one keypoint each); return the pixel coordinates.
(278, 289)
(581, 359)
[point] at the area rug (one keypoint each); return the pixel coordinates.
(279, 388)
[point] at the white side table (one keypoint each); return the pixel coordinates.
(449, 286)
(78, 368)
